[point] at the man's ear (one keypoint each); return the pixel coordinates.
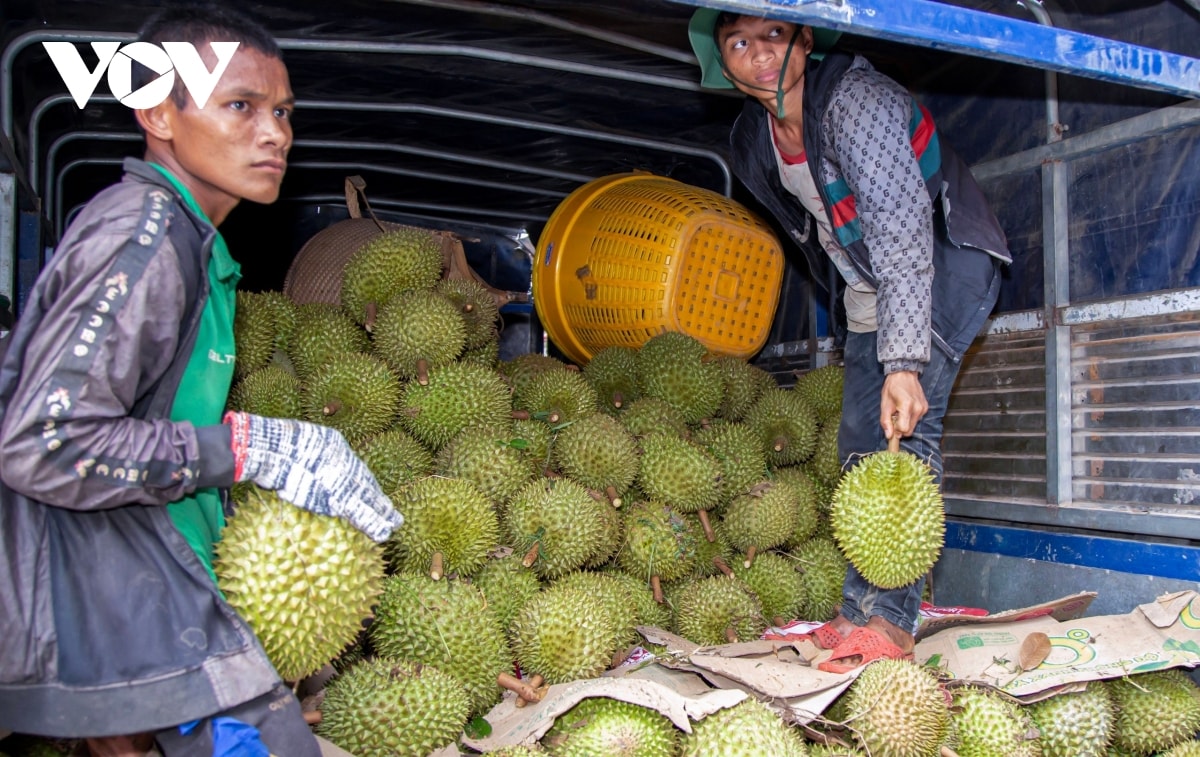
(157, 122)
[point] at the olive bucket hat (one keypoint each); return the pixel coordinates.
(700, 32)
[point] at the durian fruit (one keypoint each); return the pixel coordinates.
(776, 583)
(744, 383)
(518, 750)
(486, 355)
(823, 568)
(477, 307)
(1154, 711)
(322, 331)
(447, 624)
(533, 439)
(485, 456)
(651, 414)
(393, 708)
(303, 582)
(671, 367)
(449, 526)
(897, 709)
(748, 729)
(564, 634)
(1186, 749)
(390, 263)
(353, 392)
(736, 447)
(712, 557)
(507, 585)
(718, 610)
(888, 519)
(395, 457)
(989, 725)
(612, 530)
(598, 453)
(521, 368)
(833, 750)
(808, 515)
(612, 592)
(416, 331)
(612, 372)
(602, 726)
(556, 525)
(785, 424)
(457, 396)
(659, 545)
(821, 388)
(679, 473)
(557, 397)
(765, 518)
(262, 323)
(638, 593)
(270, 391)
(825, 464)
(1078, 724)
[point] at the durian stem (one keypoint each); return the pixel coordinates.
(520, 415)
(779, 444)
(778, 621)
(422, 371)
(708, 529)
(618, 400)
(331, 408)
(554, 416)
(613, 496)
(312, 717)
(532, 555)
(521, 688)
(468, 307)
(750, 555)
(436, 566)
(369, 322)
(731, 634)
(894, 442)
(722, 565)
(948, 752)
(597, 495)
(656, 587)
(535, 682)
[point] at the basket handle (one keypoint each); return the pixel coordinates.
(356, 186)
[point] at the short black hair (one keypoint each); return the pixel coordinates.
(724, 19)
(197, 24)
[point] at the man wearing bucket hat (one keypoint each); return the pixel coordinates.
(853, 169)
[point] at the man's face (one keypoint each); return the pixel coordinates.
(235, 147)
(753, 50)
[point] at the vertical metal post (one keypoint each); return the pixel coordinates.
(8, 235)
(1058, 335)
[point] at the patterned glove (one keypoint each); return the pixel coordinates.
(313, 468)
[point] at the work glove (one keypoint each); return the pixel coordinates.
(313, 468)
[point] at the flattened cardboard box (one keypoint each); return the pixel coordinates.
(1161, 634)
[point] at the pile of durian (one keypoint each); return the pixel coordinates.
(549, 510)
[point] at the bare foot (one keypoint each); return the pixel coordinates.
(893, 632)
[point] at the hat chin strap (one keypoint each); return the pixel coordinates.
(787, 56)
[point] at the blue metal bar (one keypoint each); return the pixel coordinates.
(987, 35)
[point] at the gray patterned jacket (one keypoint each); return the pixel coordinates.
(882, 166)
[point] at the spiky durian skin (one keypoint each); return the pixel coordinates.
(638, 592)
(658, 542)
(303, 582)
(561, 518)
(521, 368)
(557, 397)
(898, 710)
(457, 396)
(821, 388)
(1154, 711)
(736, 447)
(678, 472)
(775, 582)
(987, 725)
(597, 452)
(448, 516)
(254, 332)
(709, 552)
(743, 385)
(785, 424)
(612, 372)
(533, 439)
(621, 613)
(748, 729)
(322, 331)
(445, 623)
(612, 530)
(1078, 724)
(518, 750)
(395, 457)
(832, 750)
(825, 463)
(671, 367)
(602, 726)
(418, 326)
(486, 354)
(564, 634)
(888, 518)
(477, 307)
(823, 570)
(706, 610)
(392, 708)
(355, 393)
(484, 455)
(764, 519)
(392, 262)
(270, 391)
(1186, 749)
(507, 585)
(650, 414)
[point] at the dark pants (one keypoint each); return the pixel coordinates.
(276, 715)
(860, 434)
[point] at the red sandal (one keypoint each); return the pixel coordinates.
(825, 637)
(865, 643)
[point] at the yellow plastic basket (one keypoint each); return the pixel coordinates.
(628, 256)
